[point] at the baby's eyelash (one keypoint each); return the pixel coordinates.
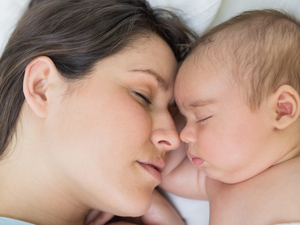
(143, 97)
(203, 120)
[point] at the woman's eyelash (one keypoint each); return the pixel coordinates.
(143, 97)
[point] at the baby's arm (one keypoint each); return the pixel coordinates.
(161, 212)
(180, 177)
(185, 181)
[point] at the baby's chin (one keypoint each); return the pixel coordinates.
(227, 178)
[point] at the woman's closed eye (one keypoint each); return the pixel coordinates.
(143, 97)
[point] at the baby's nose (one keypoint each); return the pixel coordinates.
(187, 135)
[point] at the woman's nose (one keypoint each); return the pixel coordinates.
(164, 134)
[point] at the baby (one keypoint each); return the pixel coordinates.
(239, 92)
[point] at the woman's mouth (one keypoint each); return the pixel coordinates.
(154, 168)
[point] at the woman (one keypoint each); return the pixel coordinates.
(84, 93)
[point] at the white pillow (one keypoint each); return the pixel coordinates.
(10, 12)
(230, 8)
(198, 14)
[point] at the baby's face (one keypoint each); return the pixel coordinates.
(225, 138)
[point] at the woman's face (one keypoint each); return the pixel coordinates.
(108, 129)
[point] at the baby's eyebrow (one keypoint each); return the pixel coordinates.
(161, 82)
(201, 103)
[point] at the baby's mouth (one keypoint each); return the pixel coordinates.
(195, 160)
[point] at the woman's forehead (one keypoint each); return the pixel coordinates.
(150, 55)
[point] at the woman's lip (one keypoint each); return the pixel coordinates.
(154, 167)
(195, 160)
(158, 164)
(154, 172)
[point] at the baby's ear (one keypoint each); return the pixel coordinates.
(285, 106)
(40, 74)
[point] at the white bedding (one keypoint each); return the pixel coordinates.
(230, 8)
(198, 14)
(10, 12)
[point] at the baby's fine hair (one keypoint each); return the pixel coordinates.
(261, 48)
(75, 35)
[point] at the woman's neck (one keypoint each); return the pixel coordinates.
(32, 191)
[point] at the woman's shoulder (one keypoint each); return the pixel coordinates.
(9, 221)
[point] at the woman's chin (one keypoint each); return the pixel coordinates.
(135, 208)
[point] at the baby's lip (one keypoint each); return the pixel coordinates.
(195, 160)
(191, 155)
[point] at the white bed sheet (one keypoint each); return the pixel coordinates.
(10, 12)
(230, 8)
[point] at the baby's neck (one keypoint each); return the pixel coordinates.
(295, 152)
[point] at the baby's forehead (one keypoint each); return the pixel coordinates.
(214, 59)
(202, 69)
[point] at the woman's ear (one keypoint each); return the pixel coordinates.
(39, 74)
(285, 106)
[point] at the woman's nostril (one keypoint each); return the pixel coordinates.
(164, 142)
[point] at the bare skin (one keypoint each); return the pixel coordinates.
(268, 198)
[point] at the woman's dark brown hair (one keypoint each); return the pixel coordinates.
(75, 34)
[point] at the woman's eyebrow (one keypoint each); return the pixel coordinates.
(161, 82)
